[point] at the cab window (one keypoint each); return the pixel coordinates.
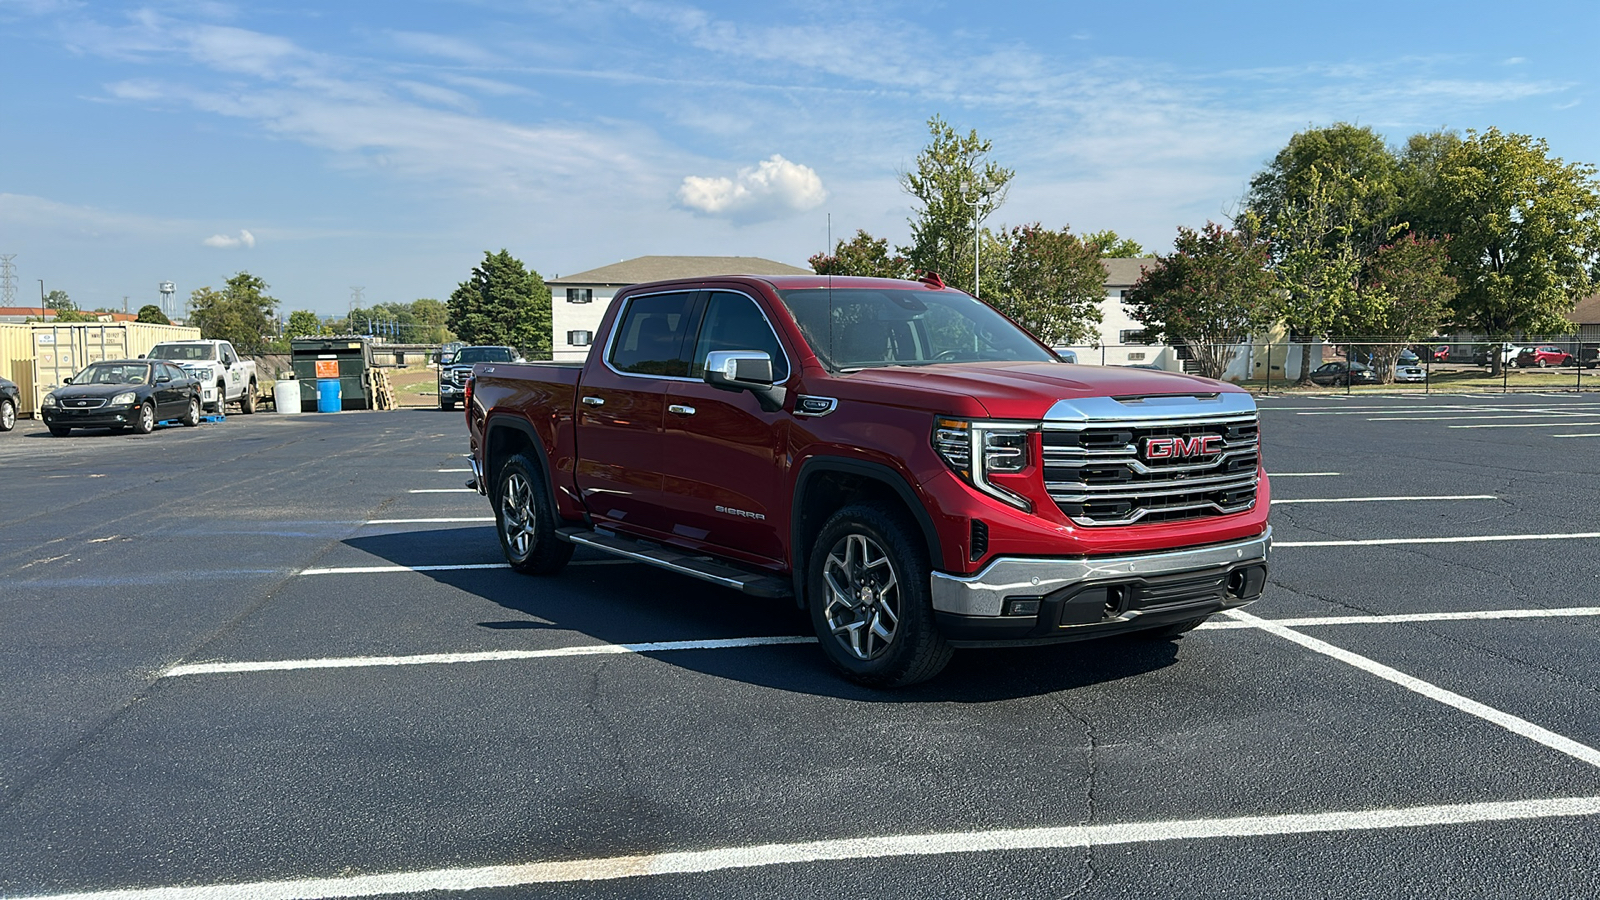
(734, 322)
(650, 334)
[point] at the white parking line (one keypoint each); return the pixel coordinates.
(1574, 435)
(429, 521)
(1532, 425)
(1542, 414)
(1404, 618)
(1513, 724)
(1472, 539)
(1277, 502)
(1005, 840)
(455, 470)
(425, 659)
(459, 490)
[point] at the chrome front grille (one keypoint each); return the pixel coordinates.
(1103, 474)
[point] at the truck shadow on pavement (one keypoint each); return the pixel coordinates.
(619, 602)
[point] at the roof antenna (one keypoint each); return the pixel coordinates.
(835, 262)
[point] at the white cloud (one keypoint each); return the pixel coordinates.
(228, 242)
(768, 190)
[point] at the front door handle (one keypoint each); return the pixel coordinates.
(594, 401)
(679, 409)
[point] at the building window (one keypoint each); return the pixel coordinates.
(580, 295)
(1136, 336)
(579, 338)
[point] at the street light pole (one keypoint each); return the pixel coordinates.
(41, 296)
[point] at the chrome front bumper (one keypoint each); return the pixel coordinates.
(985, 593)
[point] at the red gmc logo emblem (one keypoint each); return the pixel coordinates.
(1182, 448)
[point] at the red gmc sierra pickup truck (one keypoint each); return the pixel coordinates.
(911, 466)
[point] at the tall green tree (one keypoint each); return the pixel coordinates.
(60, 302)
(503, 302)
(1350, 166)
(1210, 294)
(1114, 247)
(241, 313)
(1524, 232)
(431, 317)
(152, 314)
(861, 255)
(302, 322)
(1317, 261)
(956, 186)
(1052, 284)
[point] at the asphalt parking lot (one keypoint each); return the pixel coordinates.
(279, 657)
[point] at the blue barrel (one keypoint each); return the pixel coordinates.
(327, 395)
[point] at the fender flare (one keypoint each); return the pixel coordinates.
(879, 472)
(540, 456)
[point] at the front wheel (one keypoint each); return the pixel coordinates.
(867, 588)
(8, 414)
(526, 521)
(145, 421)
(222, 398)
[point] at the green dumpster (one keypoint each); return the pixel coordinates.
(346, 357)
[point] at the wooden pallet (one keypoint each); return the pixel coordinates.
(379, 389)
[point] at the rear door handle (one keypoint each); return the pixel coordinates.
(679, 409)
(594, 401)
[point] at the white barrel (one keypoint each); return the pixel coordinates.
(286, 395)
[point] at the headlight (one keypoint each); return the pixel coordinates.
(125, 398)
(49, 401)
(978, 448)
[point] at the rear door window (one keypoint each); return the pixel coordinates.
(649, 336)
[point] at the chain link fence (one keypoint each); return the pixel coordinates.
(1568, 362)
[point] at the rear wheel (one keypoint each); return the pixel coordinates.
(8, 414)
(191, 416)
(145, 421)
(867, 588)
(247, 403)
(526, 521)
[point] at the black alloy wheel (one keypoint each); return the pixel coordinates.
(526, 521)
(868, 592)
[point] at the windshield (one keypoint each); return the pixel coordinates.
(185, 352)
(114, 373)
(864, 327)
(466, 356)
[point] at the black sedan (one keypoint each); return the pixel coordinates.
(121, 394)
(10, 400)
(1343, 373)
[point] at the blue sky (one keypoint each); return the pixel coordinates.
(387, 145)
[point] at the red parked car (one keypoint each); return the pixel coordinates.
(1544, 356)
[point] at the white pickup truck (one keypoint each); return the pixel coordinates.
(224, 377)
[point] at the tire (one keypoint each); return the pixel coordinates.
(191, 417)
(1540, 362)
(8, 414)
(525, 520)
(222, 398)
(867, 589)
(60, 431)
(447, 404)
(247, 403)
(146, 422)
(1168, 632)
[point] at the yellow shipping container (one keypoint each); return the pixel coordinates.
(37, 357)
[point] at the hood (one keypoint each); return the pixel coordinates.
(1019, 390)
(94, 391)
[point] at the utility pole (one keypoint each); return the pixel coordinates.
(355, 301)
(8, 280)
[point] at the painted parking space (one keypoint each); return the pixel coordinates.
(615, 730)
